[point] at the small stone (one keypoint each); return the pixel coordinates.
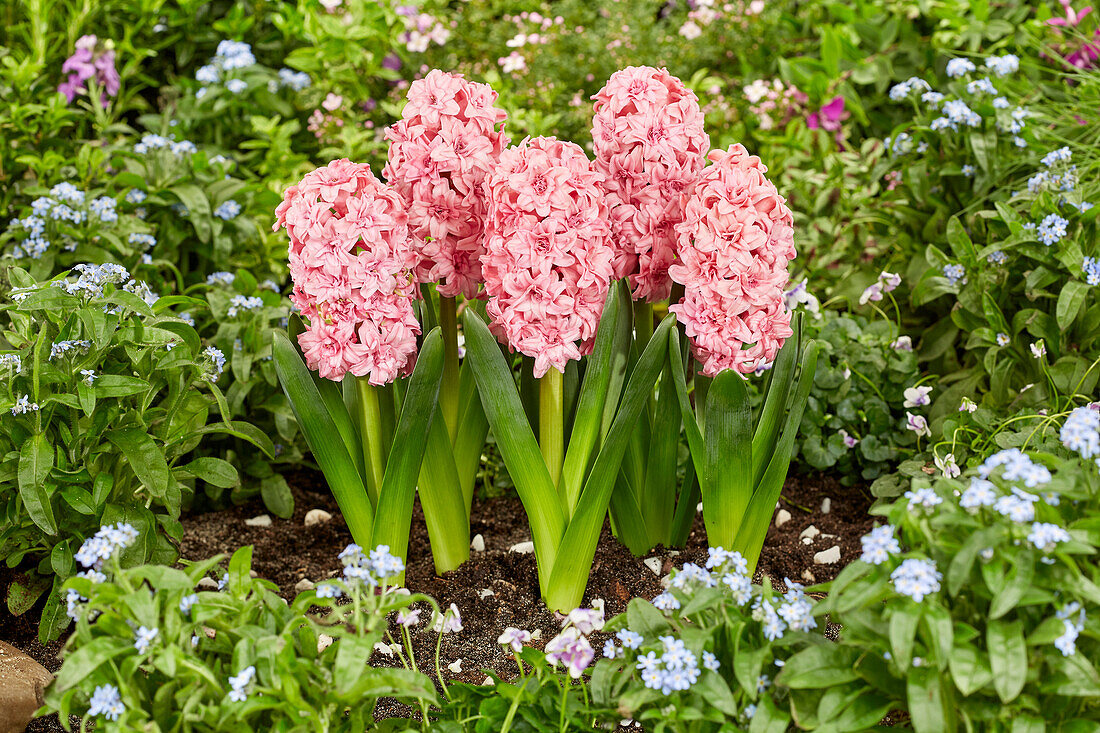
(477, 544)
(673, 553)
(455, 666)
(666, 582)
(303, 585)
(488, 682)
(264, 520)
(485, 593)
(807, 541)
(536, 634)
(808, 576)
(253, 574)
(699, 507)
(810, 532)
(324, 641)
(826, 505)
(210, 633)
(22, 681)
(317, 516)
(654, 564)
(207, 583)
(523, 548)
(828, 557)
(782, 517)
(383, 649)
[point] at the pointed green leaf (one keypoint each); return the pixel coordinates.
(317, 425)
(35, 462)
(395, 497)
(516, 442)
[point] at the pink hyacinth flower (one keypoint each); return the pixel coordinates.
(547, 262)
(448, 141)
(649, 143)
(352, 257)
(734, 246)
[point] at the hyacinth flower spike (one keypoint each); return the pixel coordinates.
(351, 259)
(734, 248)
(441, 152)
(548, 274)
(650, 143)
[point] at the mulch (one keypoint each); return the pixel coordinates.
(497, 588)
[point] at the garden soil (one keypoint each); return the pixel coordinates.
(498, 587)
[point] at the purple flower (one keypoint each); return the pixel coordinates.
(572, 650)
(392, 62)
(85, 63)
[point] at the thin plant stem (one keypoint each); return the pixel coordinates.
(551, 423)
(448, 389)
(370, 416)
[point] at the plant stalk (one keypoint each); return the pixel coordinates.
(448, 389)
(370, 429)
(551, 422)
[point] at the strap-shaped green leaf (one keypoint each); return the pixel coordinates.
(686, 505)
(474, 427)
(311, 412)
(687, 415)
(332, 395)
(754, 525)
(658, 498)
(574, 563)
(728, 444)
(393, 517)
(593, 396)
(445, 511)
(775, 402)
(631, 527)
(516, 442)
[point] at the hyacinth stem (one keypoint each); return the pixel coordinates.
(370, 429)
(643, 323)
(551, 423)
(702, 386)
(448, 390)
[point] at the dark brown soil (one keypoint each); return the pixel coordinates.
(497, 588)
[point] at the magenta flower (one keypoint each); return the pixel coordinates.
(441, 151)
(829, 117)
(735, 243)
(649, 144)
(547, 262)
(87, 62)
(1079, 54)
(351, 260)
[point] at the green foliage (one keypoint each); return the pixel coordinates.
(107, 399)
(1009, 632)
(309, 659)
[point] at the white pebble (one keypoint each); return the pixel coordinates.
(488, 682)
(303, 585)
(808, 576)
(782, 517)
(828, 557)
(263, 520)
(523, 548)
(654, 564)
(383, 649)
(485, 593)
(807, 541)
(455, 666)
(324, 641)
(666, 582)
(826, 505)
(810, 532)
(699, 507)
(206, 583)
(477, 544)
(316, 516)
(536, 634)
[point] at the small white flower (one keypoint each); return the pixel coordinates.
(917, 396)
(947, 465)
(1038, 349)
